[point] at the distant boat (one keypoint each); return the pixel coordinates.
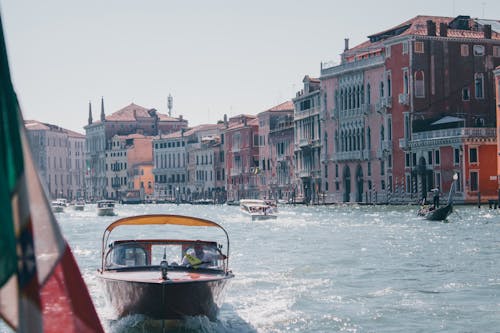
(259, 209)
(441, 213)
(79, 205)
(164, 277)
(57, 206)
(106, 208)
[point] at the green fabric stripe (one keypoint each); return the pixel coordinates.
(11, 164)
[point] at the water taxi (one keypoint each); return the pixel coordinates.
(259, 209)
(106, 208)
(165, 278)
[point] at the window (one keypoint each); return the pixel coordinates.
(429, 157)
(388, 51)
(496, 51)
(465, 94)
(436, 157)
(389, 84)
(405, 47)
(407, 160)
(456, 159)
(478, 50)
(419, 84)
(473, 155)
(464, 50)
(419, 47)
(405, 81)
(474, 184)
(479, 85)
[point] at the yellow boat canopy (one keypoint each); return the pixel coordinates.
(163, 219)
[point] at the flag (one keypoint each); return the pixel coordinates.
(41, 288)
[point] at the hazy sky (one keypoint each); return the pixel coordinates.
(214, 57)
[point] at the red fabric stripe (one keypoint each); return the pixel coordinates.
(66, 303)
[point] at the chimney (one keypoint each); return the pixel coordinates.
(487, 31)
(346, 44)
(443, 29)
(431, 28)
(225, 120)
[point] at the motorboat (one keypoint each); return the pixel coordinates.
(79, 205)
(259, 209)
(57, 206)
(106, 208)
(147, 276)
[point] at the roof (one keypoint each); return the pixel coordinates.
(418, 26)
(133, 111)
(34, 125)
(285, 106)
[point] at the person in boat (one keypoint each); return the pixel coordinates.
(201, 257)
(435, 198)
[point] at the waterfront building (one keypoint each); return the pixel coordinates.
(307, 145)
(126, 154)
(276, 152)
(242, 157)
(205, 162)
(128, 120)
(59, 155)
(496, 73)
(170, 167)
(430, 115)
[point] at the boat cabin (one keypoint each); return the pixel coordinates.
(140, 253)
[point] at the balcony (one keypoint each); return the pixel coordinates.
(235, 172)
(305, 143)
(351, 66)
(403, 143)
(403, 99)
(383, 104)
(358, 155)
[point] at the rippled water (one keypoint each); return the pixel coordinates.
(333, 269)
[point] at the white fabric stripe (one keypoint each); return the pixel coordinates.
(9, 304)
(49, 243)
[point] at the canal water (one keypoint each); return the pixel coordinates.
(331, 269)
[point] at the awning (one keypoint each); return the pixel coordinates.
(447, 120)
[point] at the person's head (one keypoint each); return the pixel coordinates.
(198, 249)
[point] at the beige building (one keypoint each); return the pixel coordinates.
(59, 155)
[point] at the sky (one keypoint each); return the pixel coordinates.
(214, 57)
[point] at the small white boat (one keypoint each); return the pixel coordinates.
(79, 205)
(106, 208)
(57, 206)
(259, 209)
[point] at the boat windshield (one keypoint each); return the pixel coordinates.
(137, 254)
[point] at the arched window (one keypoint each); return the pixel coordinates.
(419, 84)
(369, 138)
(368, 94)
(381, 89)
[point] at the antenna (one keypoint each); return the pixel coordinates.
(170, 104)
(483, 4)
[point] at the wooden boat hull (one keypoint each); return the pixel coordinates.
(439, 214)
(170, 299)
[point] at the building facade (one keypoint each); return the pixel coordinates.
(59, 156)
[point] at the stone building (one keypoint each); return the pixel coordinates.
(59, 155)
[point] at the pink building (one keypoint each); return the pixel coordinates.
(275, 169)
(242, 157)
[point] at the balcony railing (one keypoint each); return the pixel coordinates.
(466, 132)
(356, 155)
(352, 66)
